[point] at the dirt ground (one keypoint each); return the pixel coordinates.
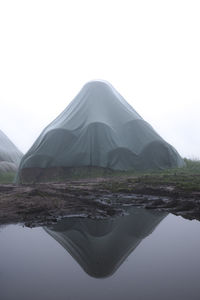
(42, 204)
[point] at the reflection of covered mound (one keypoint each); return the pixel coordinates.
(9, 154)
(100, 246)
(97, 129)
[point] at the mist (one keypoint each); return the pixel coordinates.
(148, 50)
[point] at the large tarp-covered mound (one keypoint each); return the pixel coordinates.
(97, 129)
(10, 156)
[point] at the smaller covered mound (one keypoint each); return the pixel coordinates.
(10, 156)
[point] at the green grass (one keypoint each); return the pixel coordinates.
(186, 178)
(7, 177)
(192, 167)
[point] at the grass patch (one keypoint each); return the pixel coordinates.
(7, 177)
(185, 178)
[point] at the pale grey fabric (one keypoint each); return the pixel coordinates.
(99, 128)
(10, 156)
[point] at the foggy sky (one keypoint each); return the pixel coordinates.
(148, 50)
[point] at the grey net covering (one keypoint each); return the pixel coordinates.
(10, 156)
(99, 129)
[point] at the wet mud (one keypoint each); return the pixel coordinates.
(42, 204)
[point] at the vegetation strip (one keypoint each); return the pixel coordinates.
(176, 191)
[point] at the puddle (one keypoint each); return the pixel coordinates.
(144, 255)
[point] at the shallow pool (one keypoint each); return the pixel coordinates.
(144, 255)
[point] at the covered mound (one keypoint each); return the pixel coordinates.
(101, 246)
(10, 156)
(97, 129)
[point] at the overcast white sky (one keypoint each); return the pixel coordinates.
(148, 50)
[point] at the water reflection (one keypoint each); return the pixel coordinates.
(101, 246)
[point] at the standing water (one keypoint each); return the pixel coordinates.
(143, 255)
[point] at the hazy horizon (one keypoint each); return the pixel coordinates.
(149, 52)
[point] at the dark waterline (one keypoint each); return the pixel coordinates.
(145, 255)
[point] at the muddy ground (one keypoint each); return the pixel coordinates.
(41, 204)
